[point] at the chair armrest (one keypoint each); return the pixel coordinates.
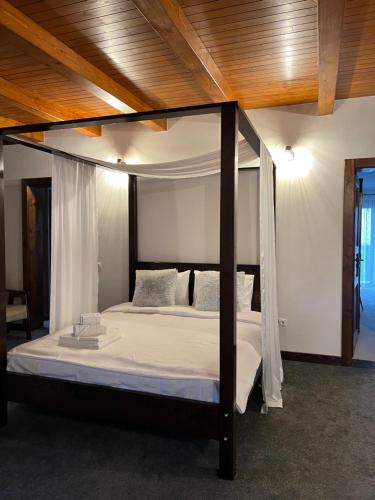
(12, 294)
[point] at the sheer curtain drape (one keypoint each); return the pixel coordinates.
(368, 242)
(272, 366)
(189, 168)
(74, 242)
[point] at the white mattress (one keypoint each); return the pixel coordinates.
(170, 351)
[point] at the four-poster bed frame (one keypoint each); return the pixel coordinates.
(210, 420)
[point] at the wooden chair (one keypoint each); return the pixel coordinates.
(18, 310)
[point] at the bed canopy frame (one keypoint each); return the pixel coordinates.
(209, 420)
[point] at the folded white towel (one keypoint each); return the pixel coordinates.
(94, 343)
(90, 319)
(89, 330)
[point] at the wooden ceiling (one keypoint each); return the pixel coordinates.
(63, 59)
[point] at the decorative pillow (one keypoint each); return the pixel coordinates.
(245, 298)
(207, 289)
(182, 289)
(155, 288)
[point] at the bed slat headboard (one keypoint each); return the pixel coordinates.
(184, 266)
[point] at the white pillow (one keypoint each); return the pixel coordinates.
(246, 296)
(207, 290)
(182, 289)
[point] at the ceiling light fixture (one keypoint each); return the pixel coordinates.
(289, 153)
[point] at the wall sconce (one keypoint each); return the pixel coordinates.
(293, 164)
(289, 153)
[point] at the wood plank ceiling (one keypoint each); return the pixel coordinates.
(261, 52)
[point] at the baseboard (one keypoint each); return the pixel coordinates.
(363, 363)
(311, 358)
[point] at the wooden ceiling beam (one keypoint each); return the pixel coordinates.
(169, 21)
(9, 122)
(42, 107)
(46, 48)
(330, 21)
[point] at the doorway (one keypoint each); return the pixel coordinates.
(358, 281)
(36, 235)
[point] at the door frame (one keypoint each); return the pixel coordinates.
(351, 167)
(27, 271)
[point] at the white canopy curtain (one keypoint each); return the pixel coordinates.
(272, 365)
(197, 166)
(74, 242)
(368, 242)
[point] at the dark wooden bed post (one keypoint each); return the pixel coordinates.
(228, 286)
(133, 231)
(3, 330)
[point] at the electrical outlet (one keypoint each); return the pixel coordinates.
(283, 322)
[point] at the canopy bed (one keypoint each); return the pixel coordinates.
(210, 417)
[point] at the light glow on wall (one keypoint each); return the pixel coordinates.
(115, 178)
(294, 169)
(134, 159)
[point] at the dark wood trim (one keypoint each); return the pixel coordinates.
(351, 167)
(38, 181)
(3, 299)
(117, 405)
(133, 231)
(201, 109)
(348, 264)
(364, 162)
(29, 278)
(228, 287)
(311, 358)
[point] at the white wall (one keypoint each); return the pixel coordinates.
(179, 220)
(112, 219)
(310, 213)
(186, 137)
(112, 202)
(18, 165)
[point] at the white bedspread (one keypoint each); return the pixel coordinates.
(169, 350)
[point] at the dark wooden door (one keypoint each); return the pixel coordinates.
(357, 261)
(36, 222)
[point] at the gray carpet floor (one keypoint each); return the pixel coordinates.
(320, 446)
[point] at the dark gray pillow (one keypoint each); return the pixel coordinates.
(155, 288)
